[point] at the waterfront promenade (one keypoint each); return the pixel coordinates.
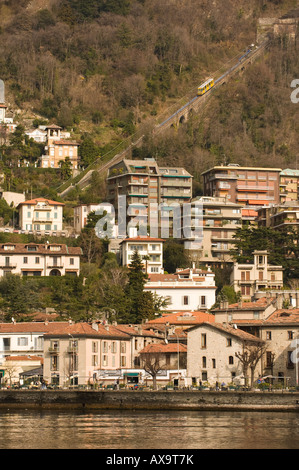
(151, 400)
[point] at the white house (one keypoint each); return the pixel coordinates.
(41, 214)
(82, 211)
(150, 249)
(187, 289)
(39, 259)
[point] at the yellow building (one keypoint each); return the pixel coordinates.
(58, 149)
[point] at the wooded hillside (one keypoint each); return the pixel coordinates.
(104, 67)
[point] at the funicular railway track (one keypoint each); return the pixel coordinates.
(194, 104)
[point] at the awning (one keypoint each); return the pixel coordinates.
(32, 373)
(131, 374)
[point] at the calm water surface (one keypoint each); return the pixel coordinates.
(29, 429)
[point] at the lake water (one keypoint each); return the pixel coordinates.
(29, 429)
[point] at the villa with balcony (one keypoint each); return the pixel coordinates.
(41, 214)
(150, 250)
(33, 259)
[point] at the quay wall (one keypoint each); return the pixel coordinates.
(150, 400)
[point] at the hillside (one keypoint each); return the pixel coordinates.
(104, 67)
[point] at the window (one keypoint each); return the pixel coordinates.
(25, 259)
(185, 300)
(54, 363)
(94, 360)
(123, 347)
(37, 260)
(28, 215)
(290, 334)
(113, 347)
(204, 362)
(94, 346)
(123, 361)
(228, 342)
(214, 363)
(71, 260)
(105, 360)
(261, 275)
(105, 347)
(268, 335)
(231, 360)
(22, 341)
(203, 340)
(203, 301)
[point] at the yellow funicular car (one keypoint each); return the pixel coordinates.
(206, 86)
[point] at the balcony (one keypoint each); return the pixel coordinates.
(8, 266)
(53, 349)
(57, 266)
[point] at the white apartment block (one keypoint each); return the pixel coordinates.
(39, 259)
(186, 290)
(82, 211)
(41, 214)
(150, 250)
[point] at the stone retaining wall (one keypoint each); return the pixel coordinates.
(150, 400)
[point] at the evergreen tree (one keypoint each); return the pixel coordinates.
(141, 304)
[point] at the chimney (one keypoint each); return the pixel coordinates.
(95, 326)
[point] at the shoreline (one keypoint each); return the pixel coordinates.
(150, 400)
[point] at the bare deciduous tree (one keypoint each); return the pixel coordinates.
(249, 357)
(153, 361)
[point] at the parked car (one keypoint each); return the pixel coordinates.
(7, 230)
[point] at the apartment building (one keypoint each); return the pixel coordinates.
(75, 354)
(150, 250)
(186, 290)
(34, 259)
(82, 211)
(41, 214)
(289, 185)
(251, 187)
(248, 278)
(220, 220)
(59, 149)
(145, 185)
(279, 216)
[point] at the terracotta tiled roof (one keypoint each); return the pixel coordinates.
(65, 142)
(165, 348)
(25, 358)
(259, 304)
(142, 239)
(139, 330)
(62, 329)
(184, 318)
(283, 316)
(242, 335)
(40, 249)
(41, 199)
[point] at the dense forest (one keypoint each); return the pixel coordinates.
(102, 68)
